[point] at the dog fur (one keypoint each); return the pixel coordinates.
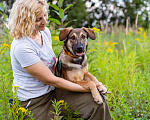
(73, 60)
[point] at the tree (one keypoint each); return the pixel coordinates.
(78, 12)
(114, 10)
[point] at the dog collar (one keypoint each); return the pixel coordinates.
(68, 53)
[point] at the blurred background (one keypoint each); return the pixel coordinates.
(99, 13)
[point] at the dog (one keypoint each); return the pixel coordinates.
(72, 62)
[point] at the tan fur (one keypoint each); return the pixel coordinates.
(78, 73)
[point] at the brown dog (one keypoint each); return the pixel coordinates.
(72, 62)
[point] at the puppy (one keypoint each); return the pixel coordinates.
(72, 62)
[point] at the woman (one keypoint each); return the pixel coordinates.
(33, 62)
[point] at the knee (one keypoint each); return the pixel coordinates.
(88, 106)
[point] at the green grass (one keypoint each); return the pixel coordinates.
(118, 61)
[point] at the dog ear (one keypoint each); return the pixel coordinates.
(63, 33)
(90, 33)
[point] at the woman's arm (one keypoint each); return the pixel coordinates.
(41, 72)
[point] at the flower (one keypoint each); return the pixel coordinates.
(144, 35)
(105, 43)
(5, 45)
(61, 102)
(109, 50)
(96, 29)
(56, 38)
(140, 29)
(130, 54)
(112, 43)
(137, 39)
(22, 109)
(16, 87)
(121, 51)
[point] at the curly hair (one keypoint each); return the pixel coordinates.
(23, 16)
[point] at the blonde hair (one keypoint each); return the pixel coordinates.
(23, 16)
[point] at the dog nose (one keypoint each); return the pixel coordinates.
(80, 48)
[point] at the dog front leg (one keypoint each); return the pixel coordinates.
(91, 85)
(89, 77)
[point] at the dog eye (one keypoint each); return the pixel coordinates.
(83, 36)
(73, 37)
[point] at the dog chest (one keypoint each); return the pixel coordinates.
(76, 75)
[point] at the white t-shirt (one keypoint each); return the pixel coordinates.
(25, 52)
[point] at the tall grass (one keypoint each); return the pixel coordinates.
(125, 73)
(119, 61)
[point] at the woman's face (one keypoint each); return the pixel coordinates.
(41, 20)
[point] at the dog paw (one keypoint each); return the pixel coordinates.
(98, 99)
(102, 89)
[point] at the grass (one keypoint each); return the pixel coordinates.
(119, 61)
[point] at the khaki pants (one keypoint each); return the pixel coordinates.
(83, 102)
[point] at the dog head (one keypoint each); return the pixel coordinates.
(75, 40)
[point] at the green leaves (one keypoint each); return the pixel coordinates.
(61, 13)
(55, 21)
(68, 7)
(1, 7)
(70, 22)
(55, 7)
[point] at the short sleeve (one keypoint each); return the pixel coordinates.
(25, 54)
(48, 34)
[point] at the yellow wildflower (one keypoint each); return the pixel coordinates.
(103, 61)
(140, 29)
(22, 109)
(128, 43)
(144, 35)
(121, 51)
(61, 102)
(109, 50)
(56, 38)
(112, 43)
(15, 87)
(96, 29)
(89, 51)
(94, 49)
(105, 43)
(131, 54)
(137, 39)
(116, 51)
(5, 45)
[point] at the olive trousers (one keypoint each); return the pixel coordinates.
(83, 102)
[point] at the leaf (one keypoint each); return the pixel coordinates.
(55, 21)
(68, 7)
(6, 16)
(70, 22)
(1, 13)
(56, 12)
(64, 18)
(61, 13)
(61, 1)
(1, 7)
(55, 7)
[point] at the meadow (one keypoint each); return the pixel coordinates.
(120, 61)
